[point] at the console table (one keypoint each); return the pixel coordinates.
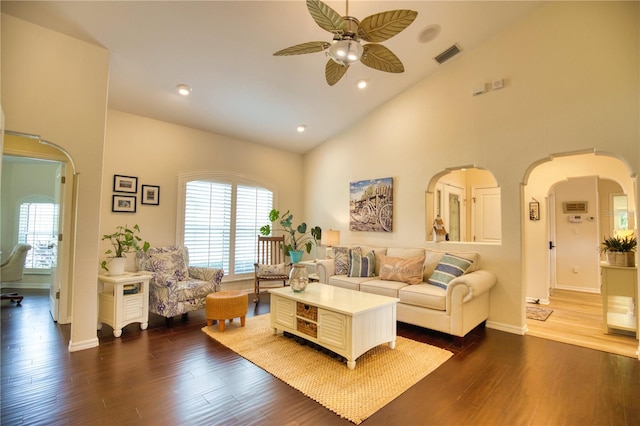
(346, 322)
(122, 300)
(619, 281)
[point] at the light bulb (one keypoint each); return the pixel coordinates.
(301, 128)
(184, 90)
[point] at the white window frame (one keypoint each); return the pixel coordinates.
(222, 177)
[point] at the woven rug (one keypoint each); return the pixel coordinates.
(380, 376)
(540, 314)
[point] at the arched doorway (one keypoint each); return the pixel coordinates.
(560, 246)
(35, 152)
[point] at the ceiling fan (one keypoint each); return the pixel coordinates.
(347, 33)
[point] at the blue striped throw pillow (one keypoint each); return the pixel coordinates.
(361, 265)
(449, 267)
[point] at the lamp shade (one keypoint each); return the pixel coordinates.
(330, 238)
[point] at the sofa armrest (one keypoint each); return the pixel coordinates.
(476, 283)
(213, 275)
(325, 268)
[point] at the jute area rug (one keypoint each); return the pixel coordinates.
(540, 314)
(380, 375)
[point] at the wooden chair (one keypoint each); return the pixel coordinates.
(270, 264)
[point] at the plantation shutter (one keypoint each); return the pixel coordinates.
(37, 226)
(252, 211)
(207, 223)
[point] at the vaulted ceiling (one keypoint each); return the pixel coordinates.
(224, 51)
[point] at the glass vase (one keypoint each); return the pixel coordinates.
(298, 278)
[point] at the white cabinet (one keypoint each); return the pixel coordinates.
(122, 300)
(620, 281)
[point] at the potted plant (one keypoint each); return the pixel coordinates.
(297, 238)
(124, 240)
(620, 251)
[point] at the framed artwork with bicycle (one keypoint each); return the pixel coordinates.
(371, 205)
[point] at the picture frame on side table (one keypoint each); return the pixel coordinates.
(150, 195)
(125, 184)
(123, 203)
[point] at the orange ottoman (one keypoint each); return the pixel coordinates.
(226, 305)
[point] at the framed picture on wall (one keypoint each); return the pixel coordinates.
(123, 203)
(534, 210)
(125, 184)
(371, 205)
(150, 195)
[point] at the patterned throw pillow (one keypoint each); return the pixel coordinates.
(449, 267)
(407, 270)
(341, 257)
(361, 266)
(270, 270)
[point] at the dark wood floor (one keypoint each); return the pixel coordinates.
(179, 376)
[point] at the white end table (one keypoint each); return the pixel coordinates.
(119, 306)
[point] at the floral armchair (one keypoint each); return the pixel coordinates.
(175, 287)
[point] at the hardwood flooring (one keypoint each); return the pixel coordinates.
(577, 319)
(180, 376)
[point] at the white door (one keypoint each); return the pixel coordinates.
(54, 288)
(486, 215)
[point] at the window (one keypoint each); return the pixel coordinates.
(222, 219)
(38, 226)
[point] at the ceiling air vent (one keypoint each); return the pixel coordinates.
(574, 207)
(448, 54)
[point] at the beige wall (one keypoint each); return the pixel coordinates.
(55, 86)
(157, 153)
(572, 83)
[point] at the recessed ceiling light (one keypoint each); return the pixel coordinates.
(429, 33)
(184, 90)
(362, 84)
(302, 128)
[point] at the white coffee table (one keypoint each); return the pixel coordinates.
(344, 321)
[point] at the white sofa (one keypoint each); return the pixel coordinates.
(456, 310)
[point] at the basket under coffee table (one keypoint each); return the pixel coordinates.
(344, 321)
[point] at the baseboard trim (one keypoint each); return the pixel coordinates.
(521, 331)
(18, 285)
(86, 344)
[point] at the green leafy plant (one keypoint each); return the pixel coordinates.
(624, 244)
(296, 237)
(124, 240)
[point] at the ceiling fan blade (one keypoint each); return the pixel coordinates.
(334, 72)
(378, 57)
(327, 18)
(382, 26)
(299, 49)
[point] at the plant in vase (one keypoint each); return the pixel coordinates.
(124, 240)
(619, 251)
(297, 238)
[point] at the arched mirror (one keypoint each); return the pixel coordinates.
(463, 205)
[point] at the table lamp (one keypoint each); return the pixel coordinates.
(330, 238)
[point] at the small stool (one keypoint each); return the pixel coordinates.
(226, 305)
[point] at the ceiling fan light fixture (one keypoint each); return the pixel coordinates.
(345, 52)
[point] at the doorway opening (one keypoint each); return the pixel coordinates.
(38, 187)
(561, 267)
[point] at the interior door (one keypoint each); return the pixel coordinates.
(454, 213)
(487, 215)
(551, 214)
(56, 272)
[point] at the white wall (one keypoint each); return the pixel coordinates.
(55, 86)
(572, 84)
(156, 152)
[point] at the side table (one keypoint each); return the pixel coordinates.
(122, 300)
(620, 281)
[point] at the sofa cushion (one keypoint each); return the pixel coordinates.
(382, 287)
(449, 267)
(432, 257)
(341, 258)
(377, 251)
(407, 270)
(424, 295)
(271, 270)
(361, 265)
(352, 283)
